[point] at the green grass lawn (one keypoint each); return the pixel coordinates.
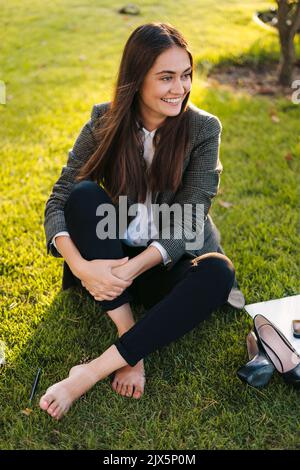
(57, 59)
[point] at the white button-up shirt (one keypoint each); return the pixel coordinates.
(142, 227)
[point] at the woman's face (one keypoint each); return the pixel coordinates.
(169, 78)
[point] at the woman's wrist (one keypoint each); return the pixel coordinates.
(125, 271)
(135, 266)
(79, 267)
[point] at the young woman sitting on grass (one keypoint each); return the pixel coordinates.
(150, 145)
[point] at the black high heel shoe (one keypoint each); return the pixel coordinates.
(278, 349)
(258, 371)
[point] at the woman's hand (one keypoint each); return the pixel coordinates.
(97, 277)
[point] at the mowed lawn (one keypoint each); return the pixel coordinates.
(57, 59)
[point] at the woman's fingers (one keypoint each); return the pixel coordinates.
(117, 282)
(111, 293)
(104, 297)
(103, 292)
(116, 291)
(112, 283)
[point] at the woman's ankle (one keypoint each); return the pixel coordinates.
(122, 318)
(124, 328)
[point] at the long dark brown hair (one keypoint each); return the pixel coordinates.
(117, 163)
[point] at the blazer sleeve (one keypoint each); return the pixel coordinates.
(200, 184)
(84, 146)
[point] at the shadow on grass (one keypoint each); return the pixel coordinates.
(258, 55)
(256, 71)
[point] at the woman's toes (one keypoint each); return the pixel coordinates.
(114, 385)
(124, 390)
(119, 388)
(57, 413)
(129, 391)
(46, 401)
(52, 408)
(137, 393)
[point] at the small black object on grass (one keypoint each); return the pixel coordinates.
(35, 384)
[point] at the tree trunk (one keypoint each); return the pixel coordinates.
(287, 61)
(286, 36)
(287, 49)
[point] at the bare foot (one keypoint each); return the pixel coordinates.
(130, 381)
(60, 396)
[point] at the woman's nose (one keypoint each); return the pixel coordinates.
(178, 88)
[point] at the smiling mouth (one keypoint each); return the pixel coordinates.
(172, 100)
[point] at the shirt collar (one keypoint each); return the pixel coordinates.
(146, 132)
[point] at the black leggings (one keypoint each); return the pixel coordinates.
(171, 311)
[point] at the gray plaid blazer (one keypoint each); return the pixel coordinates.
(200, 181)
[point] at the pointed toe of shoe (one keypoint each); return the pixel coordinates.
(236, 298)
(257, 376)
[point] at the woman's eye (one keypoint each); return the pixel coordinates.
(186, 75)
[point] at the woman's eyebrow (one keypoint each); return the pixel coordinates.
(170, 71)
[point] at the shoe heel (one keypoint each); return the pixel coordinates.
(255, 376)
(259, 369)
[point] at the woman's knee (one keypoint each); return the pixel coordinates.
(85, 196)
(218, 265)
